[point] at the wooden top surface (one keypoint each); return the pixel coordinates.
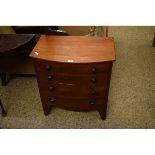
(10, 42)
(74, 49)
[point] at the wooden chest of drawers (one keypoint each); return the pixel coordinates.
(74, 72)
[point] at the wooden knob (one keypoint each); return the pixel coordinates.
(49, 77)
(93, 70)
(52, 100)
(51, 88)
(93, 80)
(48, 67)
(92, 102)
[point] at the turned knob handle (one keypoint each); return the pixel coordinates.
(93, 80)
(51, 88)
(49, 77)
(93, 70)
(48, 67)
(92, 102)
(52, 100)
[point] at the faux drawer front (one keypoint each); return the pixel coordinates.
(73, 90)
(69, 79)
(72, 104)
(72, 68)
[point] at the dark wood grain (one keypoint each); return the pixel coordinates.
(72, 68)
(11, 44)
(72, 79)
(77, 90)
(78, 104)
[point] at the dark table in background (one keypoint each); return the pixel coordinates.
(11, 46)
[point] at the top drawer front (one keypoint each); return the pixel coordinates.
(72, 68)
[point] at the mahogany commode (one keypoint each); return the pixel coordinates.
(73, 72)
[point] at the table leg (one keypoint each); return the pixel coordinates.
(153, 44)
(102, 109)
(4, 79)
(47, 108)
(3, 110)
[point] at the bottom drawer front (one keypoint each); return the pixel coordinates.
(80, 104)
(76, 105)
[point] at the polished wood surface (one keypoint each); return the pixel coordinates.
(72, 68)
(79, 49)
(10, 43)
(80, 85)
